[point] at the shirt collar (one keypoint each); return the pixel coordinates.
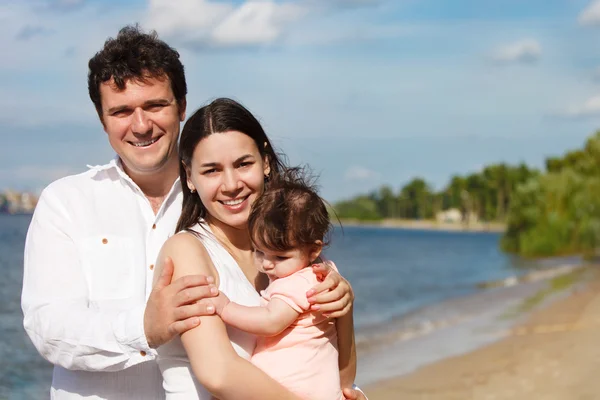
(117, 165)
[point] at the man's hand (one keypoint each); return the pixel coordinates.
(353, 394)
(173, 308)
(333, 296)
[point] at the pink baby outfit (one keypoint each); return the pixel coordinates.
(304, 357)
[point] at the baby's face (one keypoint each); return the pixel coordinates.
(282, 264)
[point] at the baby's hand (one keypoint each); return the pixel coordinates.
(220, 302)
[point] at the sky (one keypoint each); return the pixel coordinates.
(367, 92)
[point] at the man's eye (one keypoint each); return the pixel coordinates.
(155, 107)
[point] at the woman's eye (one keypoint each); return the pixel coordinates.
(280, 258)
(209, 171)
(245, 164)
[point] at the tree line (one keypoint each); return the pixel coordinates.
(485, 195)
(555, 211)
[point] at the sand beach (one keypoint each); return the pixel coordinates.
(553, 353)
(428, 225)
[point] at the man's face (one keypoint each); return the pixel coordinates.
(142, 123)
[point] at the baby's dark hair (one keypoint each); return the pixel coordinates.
(289, 214)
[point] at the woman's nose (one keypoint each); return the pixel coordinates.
(231, 181)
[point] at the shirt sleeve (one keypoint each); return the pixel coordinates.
(292, 289)
(55, 301)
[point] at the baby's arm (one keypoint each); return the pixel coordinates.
(269, 320)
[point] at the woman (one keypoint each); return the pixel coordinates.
(227, 160)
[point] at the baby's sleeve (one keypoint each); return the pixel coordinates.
(292, 289)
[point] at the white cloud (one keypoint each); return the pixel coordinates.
(209, 23)
(30, 31)
(191, 20)
(256, 22)
(359, 173)
(522, 51)
(591, 107)
(591, 14)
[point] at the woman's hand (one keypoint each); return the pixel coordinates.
(333, 296)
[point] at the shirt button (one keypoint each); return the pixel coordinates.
(104, 241)
(153, 226)
(151, 266)
(143, 353)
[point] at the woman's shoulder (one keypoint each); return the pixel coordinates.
(183, 239)
(188, 253)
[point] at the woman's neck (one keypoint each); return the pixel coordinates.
(236, 240)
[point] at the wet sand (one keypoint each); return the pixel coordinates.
(554, 355)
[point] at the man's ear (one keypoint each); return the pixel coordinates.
(182, 107)
(315, 250)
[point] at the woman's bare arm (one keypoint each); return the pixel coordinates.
(214, 362)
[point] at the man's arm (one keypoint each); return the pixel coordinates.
(347, 349)
(55, 301)
(334, 296)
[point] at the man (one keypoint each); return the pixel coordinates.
(88, 302)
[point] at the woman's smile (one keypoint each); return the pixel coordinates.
(237, 204)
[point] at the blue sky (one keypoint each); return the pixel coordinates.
(368, 92)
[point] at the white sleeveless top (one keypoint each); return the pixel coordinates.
(178, 379)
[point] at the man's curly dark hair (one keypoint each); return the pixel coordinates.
(134, 54)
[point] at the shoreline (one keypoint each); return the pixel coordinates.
(549, 323)
(429, 225)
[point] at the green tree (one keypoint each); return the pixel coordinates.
(416, 196)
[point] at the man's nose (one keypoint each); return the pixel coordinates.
(141, 124)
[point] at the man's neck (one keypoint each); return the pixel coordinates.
(156, 186)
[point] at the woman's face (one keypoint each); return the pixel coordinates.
(228, 173)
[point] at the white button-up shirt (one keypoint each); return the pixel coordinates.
(89, 260)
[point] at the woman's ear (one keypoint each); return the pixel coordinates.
(189, 182)
(266, 161)
(267, 166)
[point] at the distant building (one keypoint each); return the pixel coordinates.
(3, 204)
(450, 216)
(13, 202)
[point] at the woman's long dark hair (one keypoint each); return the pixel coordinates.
(222, 115)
